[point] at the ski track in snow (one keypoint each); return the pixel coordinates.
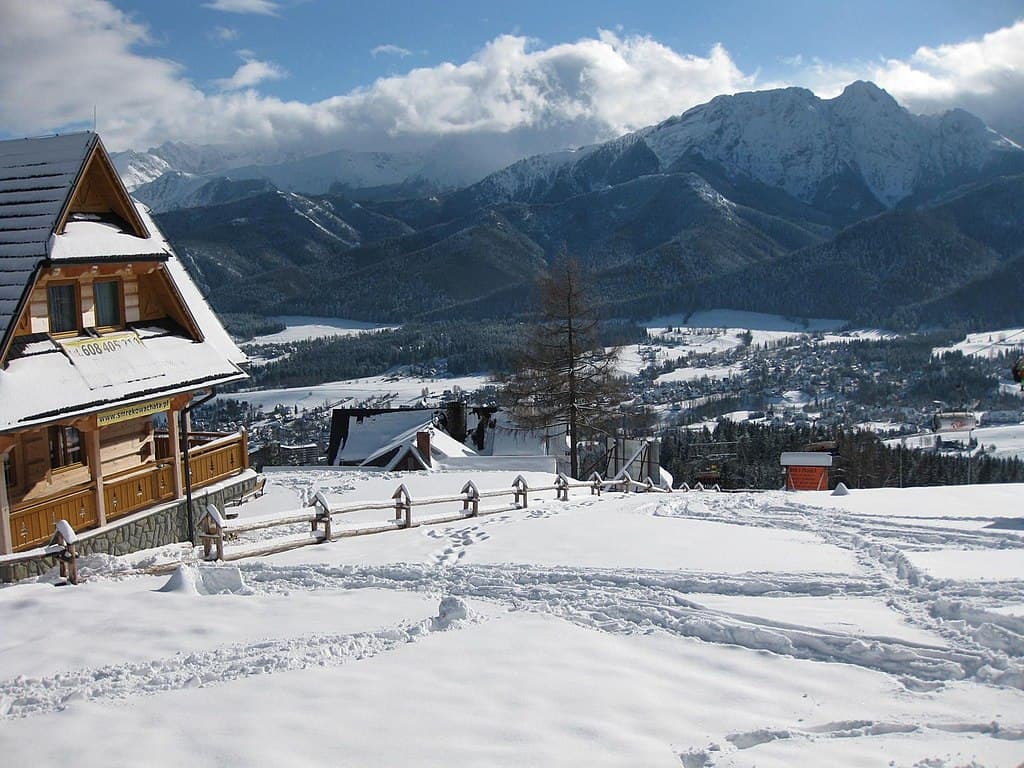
(981, 645)
(23, 696)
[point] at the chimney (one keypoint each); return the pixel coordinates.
(423, 445)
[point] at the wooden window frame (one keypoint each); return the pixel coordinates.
(120, 303)
(77, 330)
(83, 459)
(10, 469)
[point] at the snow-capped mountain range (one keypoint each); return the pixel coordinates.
(787, 139)
(172, 175)
(852, 192)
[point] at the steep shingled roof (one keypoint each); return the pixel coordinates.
(36, 180)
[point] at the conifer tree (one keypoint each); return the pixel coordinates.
(565, 379)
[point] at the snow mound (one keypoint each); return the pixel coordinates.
(449, 611)
(182, 581)
(189, 580)
(841, 490)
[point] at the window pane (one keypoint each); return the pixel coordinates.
(63, 308)
(65, 447)
(108, 302)
(72, 446)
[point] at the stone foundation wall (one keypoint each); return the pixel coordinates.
(165, 525)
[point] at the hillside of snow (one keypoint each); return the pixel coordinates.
(885, 627)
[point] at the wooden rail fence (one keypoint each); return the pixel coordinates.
(62, 546)
(216, 528)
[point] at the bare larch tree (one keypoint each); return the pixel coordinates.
(565, 379)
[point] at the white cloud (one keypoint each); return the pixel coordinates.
(391, 50)
(984, 76)
(225, 34)
(261, 7)
(251, 73)
(69, 54)
(59, 58)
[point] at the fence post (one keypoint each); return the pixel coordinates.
(562, 487)
(323, 514)
(403, 506)
(471, 498)
(65, 536)
(214, 529)
(627, 482)
(521, 488)
(596, 484)
(649, 485)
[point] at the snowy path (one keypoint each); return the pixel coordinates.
(729, 629)
(24, 696)
(642, 601)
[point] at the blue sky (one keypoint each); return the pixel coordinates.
(386, 75)
(327, 47)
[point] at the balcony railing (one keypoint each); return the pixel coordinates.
(33, 524)
(137, 489)
(212, 458)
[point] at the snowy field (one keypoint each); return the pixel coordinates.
(692, 374)
(988, 343)
(303, 328)
(882, 628)
(1003, 441)
(390, 390)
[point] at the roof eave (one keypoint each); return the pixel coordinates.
(8, 337)
(73, 413)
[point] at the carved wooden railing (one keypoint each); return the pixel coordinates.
(33, 524)
(219, 459)
(137, 489)
(195, 440)
(214, 458)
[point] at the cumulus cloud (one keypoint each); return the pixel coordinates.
(391, 50)
(251, 73)
(66, 55)
(261, 7)
(59, 58)
(984, 76)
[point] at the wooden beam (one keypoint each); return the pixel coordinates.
(98, 188)
(174, 441)
(96, 467)
(6, 542)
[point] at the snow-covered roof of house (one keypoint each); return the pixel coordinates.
(36, 179)
(42, 224)
(48, 378)
(371, 437)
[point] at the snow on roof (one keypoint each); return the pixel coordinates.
(211, 328)
(442, 445)
(36, 178)
(37, 387)
(96, 240)
(373, 436)
(369, 435)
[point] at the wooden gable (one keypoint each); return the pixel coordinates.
(99, 190)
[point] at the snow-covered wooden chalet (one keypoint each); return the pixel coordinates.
(104, 340)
